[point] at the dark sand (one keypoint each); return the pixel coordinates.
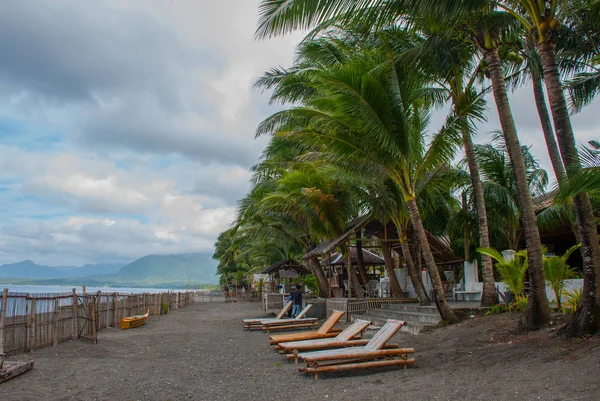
(201, 352)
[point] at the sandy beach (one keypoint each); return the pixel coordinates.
(201, 353)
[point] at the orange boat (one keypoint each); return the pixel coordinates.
(134, 321)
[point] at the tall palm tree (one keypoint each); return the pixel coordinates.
(369, 116)
(543, 19)
(452, 66)
(484, 25)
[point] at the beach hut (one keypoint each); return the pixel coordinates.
(372, 239)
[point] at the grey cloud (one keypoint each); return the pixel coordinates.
(65, 51)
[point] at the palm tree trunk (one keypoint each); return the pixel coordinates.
(489, 296)
(362, 270)
(317, 271)
(542, 109)
(553, 152)
(538, 311)
(352, 276)
(445, 310)
(389, 269)
(586, 318)
(414, 274)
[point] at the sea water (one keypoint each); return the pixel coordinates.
(47, 289)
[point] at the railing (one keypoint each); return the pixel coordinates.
(29, 321)
(360, 306)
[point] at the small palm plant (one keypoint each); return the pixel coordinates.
(512, 271)
(556, 270)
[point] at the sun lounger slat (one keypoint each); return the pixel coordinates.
(349, 333)
(335, 317)
(384, 334)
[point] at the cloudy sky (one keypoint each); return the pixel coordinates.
(127, 127)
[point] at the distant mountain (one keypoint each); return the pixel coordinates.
(151, 270)
(196, 268)
(28, 269)
(90, 269)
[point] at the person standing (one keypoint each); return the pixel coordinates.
(296, 296)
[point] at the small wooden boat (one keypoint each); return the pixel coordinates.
(134, 321)
(10, 369)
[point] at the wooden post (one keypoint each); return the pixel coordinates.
(94, 328)
(106, 322)
(74, 333)
(32, 325)
(99, 311)
(115, 309)
(55, 322)
(2, 318)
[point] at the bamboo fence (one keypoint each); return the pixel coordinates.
(30, 321)
(361, 306)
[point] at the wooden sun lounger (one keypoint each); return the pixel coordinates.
(325, 331)
(343, 339)
(255, 323)
(299, 322)
(371, 355)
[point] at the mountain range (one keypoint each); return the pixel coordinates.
(151, 270)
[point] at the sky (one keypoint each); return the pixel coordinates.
(127, 127)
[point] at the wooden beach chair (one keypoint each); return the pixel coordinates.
(255, 323)
(343, 339)
(299, 322)
(325, 331)
(371, 355)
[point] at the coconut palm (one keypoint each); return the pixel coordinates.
(368, 117)
(544, 19)
(485, 26)
(453, 67)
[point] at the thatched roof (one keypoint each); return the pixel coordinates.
(442, 252)
(337, 259)
(327, 246)
(287, 265)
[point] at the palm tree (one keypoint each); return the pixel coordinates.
(485, 27)
(368, 116)
(543, 20)
(452, 66)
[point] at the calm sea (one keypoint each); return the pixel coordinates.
(45, 289)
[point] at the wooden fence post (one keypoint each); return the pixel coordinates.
(94, 328)
(2, 318)
(32, 324)
(99, 311)
(74, 314)
(55, 322)
(115, 309)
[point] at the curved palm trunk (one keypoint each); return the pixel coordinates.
(317, 271)
(362, 270)
(489, 296)
(553, 152)
(389, 269)
(538, 311)
(414, 274)
(588, 312)
(445, 310)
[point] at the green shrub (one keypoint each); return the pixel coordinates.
(572, 300)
